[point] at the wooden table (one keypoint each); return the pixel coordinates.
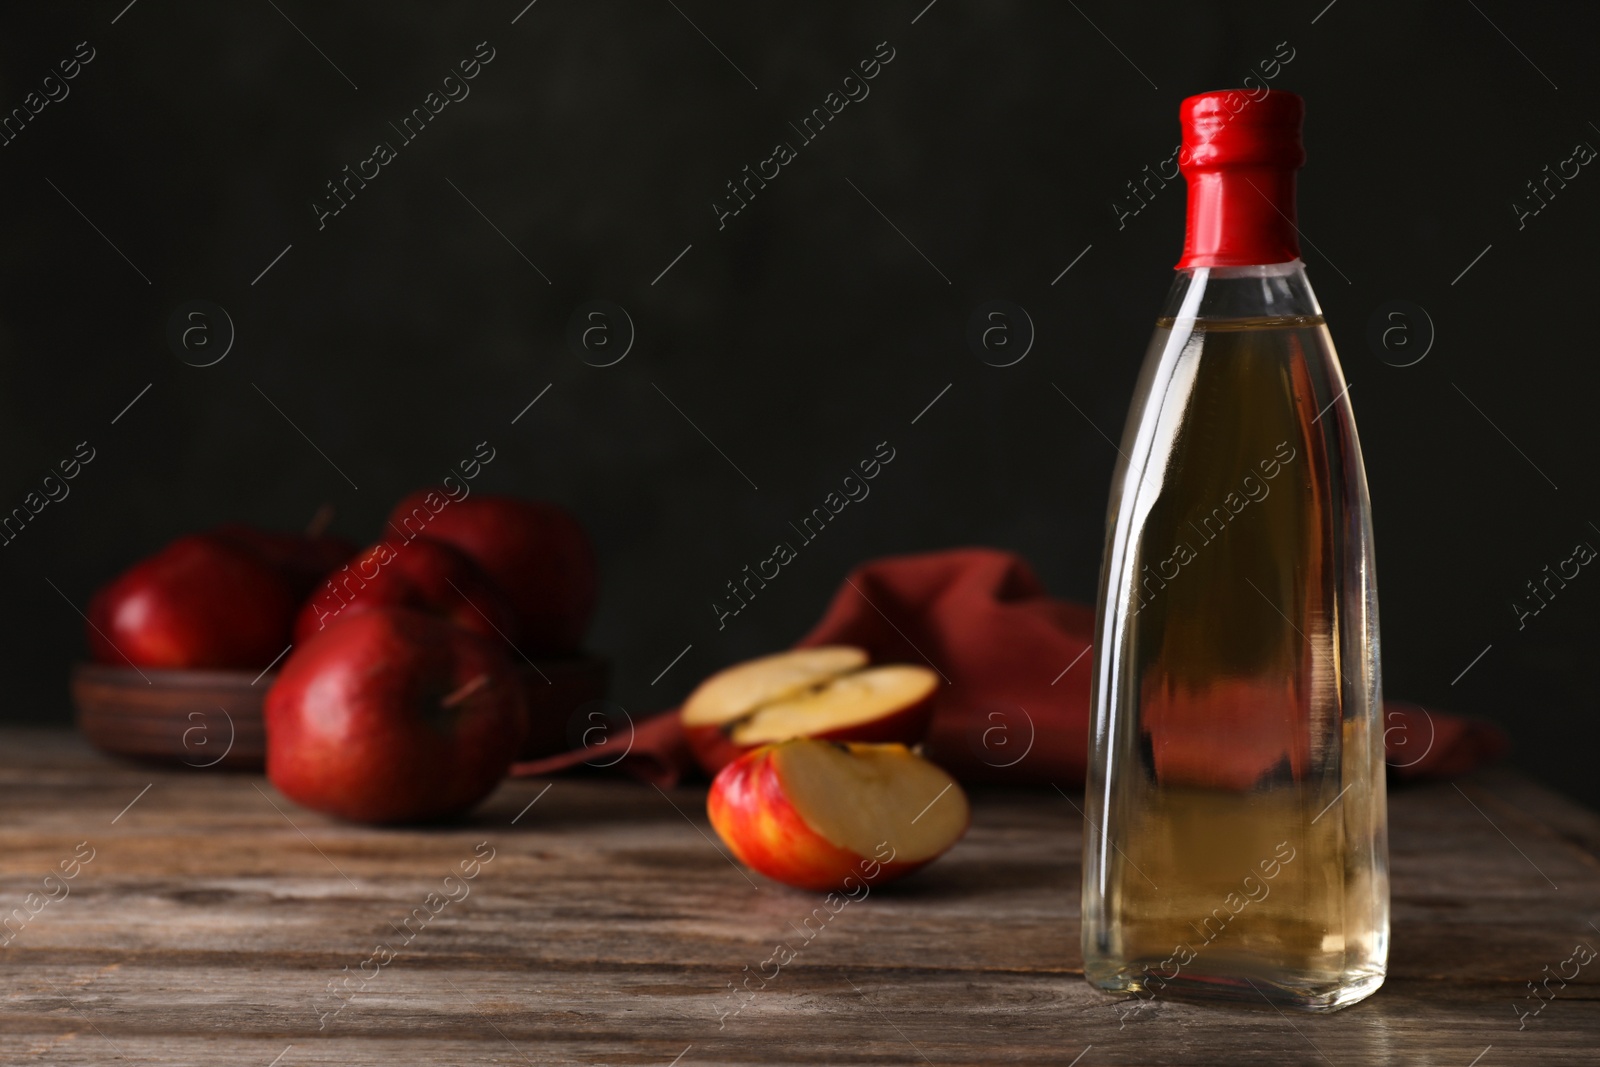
(214, 917)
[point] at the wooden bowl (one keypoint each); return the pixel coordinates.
(207, 719)
(198, 718)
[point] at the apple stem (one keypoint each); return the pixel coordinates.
(465, 691)
(320, 521)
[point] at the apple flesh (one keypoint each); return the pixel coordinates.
(825, 816)
(535, 550)
(828, 693)
(393, 716)
(423, 574)
(203, 601)
(739, 690)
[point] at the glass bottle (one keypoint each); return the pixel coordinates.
(1236, 825)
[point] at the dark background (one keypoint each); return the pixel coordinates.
(805, 332)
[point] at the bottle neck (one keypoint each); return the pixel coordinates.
(1220, 294)
(1240, 216)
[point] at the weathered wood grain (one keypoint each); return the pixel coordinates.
(608, 928)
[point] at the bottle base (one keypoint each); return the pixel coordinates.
(1284, 990)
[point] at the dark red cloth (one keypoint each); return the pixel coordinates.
(1015, 661)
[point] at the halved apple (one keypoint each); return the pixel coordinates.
(827, 693)
(828, 816)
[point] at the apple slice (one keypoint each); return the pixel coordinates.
(737, 691)
(827, 693)
(865, 705)
(828, 816)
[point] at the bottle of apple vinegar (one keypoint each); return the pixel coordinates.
(1235, 844)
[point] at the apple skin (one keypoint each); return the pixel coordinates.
(536, 550)
(303, 559)
(356, 729)
(201, 602)
(423, 574)
(714, 747)
(752, 814)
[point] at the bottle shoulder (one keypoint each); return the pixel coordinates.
(1244, 322)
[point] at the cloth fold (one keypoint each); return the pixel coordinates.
(1014, 704)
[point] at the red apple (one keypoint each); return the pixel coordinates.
(827, 692)
(393, 716)
(303, 559)
(422, 573)
(202, 601)
(821, 815)
(536, 550)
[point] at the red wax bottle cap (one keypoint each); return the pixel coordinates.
(1241, 149)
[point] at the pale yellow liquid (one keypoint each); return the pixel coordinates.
(1246, 731)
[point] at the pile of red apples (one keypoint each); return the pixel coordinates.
(400, 698)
